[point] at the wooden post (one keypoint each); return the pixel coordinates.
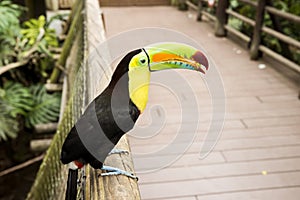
(200, 7)
(36, 8)
(182, 5)
(256, 39)
(221, 18)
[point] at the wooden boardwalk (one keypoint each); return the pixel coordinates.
(258, 154)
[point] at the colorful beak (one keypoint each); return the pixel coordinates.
(175, 56)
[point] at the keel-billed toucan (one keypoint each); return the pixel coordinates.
(115, 110)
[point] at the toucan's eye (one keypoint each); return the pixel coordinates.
(143, 61)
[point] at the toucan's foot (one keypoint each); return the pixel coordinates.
(112, 171)
(118, 151)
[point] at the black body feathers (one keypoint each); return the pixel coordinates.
(104, 122)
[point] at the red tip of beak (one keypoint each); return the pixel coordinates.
(201, 58)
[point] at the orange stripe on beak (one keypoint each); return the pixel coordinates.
(159, 57)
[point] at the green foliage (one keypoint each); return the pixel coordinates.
(34, 38)
(9, 14)
(35, 29)
(14, 100)
(288, 28)
(29, 105)
(8, 125)
(9, 30)
(36, 32)
(174, 2)
(245, 10)
(235, 23)
(45, 107)
(33, 103)
(17, 98)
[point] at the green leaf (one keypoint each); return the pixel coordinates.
(15, 100)
(9, 29)
(8, 127)
(46, 106)
(32, 29)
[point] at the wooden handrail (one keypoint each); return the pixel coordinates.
(240, 17)
(208, 15)
(261, 6)
(282, 59)
(238, 33)
(51, 179)
(279, 13)
(249, 2)
(282, 37)
(191, 5)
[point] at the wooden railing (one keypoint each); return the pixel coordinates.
(134, 2)
(86, 32)
(222, 13)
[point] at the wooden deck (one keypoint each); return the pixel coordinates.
(258, 154)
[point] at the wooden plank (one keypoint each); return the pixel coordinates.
(259, 108)
(292, 193)
(222, 170)
(261, 114)
(276, 121)
(262, 153)
(220, 185)
(222, 145)
(253, 143)
(284, 131)
(270, 131)
(278, 98)
(182, 198)
(150, 163)
(258, 92)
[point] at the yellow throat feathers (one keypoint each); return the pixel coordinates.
(139, 79)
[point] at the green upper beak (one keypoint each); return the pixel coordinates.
(175, 56)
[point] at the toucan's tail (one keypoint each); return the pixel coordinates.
(71, 192)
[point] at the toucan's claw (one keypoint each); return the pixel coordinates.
(118, 151)
(112, 171)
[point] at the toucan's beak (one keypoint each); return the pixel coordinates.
(175, 56)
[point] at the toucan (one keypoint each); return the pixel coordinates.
(114, 112)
